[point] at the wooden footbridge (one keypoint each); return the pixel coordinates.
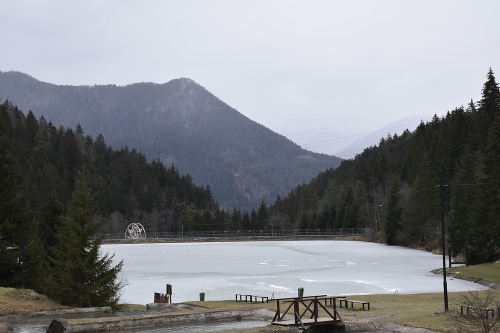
(303, 312)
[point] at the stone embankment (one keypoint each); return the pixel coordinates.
(105, 324)
(4, 328)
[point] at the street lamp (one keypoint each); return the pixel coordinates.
(377, 217)
(445, 284)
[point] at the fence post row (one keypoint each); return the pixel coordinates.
(245, 233)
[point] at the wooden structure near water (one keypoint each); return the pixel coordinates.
(305, 311)
(164, 298)
(465, 262)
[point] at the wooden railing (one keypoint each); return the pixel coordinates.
(306, 311)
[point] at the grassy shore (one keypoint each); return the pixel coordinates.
(414, 310)
(484, 272)
(24, 301)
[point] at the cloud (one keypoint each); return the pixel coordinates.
(290, 65)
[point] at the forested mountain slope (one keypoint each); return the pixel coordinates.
(61, 192)
(180, 123)
(126, 186)
(396, 189)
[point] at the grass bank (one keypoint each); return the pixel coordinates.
(484, 272)
(414, 310)
(24, 301)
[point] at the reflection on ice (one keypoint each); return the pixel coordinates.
(278, 268)
(278, 287)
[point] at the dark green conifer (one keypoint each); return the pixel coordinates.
(11, 213)
(393, 216)
(463, 196)
(489, 106)
(262, 216)
(81, 274)
(485, 233)
(421, 216)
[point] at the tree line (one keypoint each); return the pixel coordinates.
(61, 191)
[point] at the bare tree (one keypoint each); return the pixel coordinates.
(478, 310)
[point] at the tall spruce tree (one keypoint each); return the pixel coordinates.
(262, 216)
(81, 275)
(421, 216)
(11, 214)
(485, 235)
(490, 101)
(489, 106)
(393, 216)
(463, 195)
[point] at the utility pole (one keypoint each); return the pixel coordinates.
(445, 285)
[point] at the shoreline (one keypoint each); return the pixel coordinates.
(360, 238)
(393, 313)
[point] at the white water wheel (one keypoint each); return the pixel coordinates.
(135, 231)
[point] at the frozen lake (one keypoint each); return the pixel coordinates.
(276, 269)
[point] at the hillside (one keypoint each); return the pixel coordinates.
(43, 161)
(183, 124)
(404, 189)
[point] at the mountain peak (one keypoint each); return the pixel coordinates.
(186, 82)
(181, 123)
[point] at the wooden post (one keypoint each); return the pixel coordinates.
(296, 311)
(315, 310)
(169, 293)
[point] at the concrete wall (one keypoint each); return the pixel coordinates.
(115, 323)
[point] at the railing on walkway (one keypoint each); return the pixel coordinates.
(246, 234)
(306, 311)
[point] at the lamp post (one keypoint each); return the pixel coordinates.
(23, 253)
(23, 246)
(445, 284)
(377, 217)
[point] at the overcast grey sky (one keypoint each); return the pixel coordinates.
(319, 72)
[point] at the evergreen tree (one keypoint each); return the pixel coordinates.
(50, 219)
(35, 266)
(463, 195)
(489, 105)
(236, 219)
(485, 237)
(421, 214)
(207, 222)
(245, 223)
(350, 210)
(81, 275)
(253, 220)
(262, 216)
(11, 213)
(490, 101)
(393, 216)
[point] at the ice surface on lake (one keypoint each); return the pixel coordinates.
(276, 268)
